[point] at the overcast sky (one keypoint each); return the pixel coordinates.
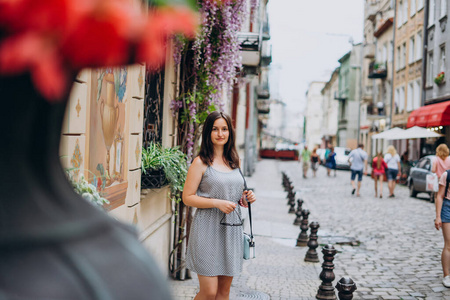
(308, 37)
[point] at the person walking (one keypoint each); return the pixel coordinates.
(315, 161)
(394, 168)
(379, 167)
(305, 158)
(358, 160)
(214, 185)
(330, 161)
(442, 220)
(441, 163)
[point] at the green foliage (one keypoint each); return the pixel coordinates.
(189, 3)
(86, 190)
(173, 162)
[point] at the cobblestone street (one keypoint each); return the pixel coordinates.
(398, 256)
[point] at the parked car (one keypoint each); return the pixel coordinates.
(418, 175)
(342, 157)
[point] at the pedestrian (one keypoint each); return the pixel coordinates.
(379, 167)
(358, 166)
(305, 157)
(330, 161)
(443, 221)
(441, 163)
(315, 161)
(214, 185)
(394, 168)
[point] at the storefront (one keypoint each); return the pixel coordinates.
(436, 118)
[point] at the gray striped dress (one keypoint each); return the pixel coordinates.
(215, 249)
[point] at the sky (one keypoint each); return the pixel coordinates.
(308, 37)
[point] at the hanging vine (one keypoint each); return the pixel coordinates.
(209, 66)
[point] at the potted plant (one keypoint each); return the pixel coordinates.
(439, 79)
(162, 166)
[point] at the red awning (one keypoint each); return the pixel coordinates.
(430, 115)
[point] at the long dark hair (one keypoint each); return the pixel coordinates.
(230, 155)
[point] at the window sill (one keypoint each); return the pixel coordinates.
(430, 26)
(429, 86)
(441, 18)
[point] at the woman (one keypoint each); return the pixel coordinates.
(441, 162)
(443, 221)
(378, 168)
(214, 186)
(331, 162)
(315, 161)
(392, 160)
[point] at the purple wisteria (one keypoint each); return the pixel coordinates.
(216, 53)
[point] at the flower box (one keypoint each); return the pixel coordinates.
(153, 179)
(440, 78)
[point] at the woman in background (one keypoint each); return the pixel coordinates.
(315, 161)
(378, 169)
(392, 160)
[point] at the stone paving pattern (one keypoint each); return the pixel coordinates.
(398, 256)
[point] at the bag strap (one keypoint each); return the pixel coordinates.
(448, 181)
(249, 206)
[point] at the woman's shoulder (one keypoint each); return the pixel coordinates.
(198, 163)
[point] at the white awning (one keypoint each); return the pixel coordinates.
(391, 134)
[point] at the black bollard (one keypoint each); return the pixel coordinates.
(302, 239)
(298, 212)
(326, 289)
(292, 203)
(346, 286)
(291, 197)
(311, 254)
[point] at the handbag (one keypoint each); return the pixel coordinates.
(248, 240)
(432, 184)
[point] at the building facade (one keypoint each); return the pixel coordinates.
(330, 109)
(348, 96)
(314, 114)
(409, 36)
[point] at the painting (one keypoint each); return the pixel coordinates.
(107, 157)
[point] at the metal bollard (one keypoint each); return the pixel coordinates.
(298, 212)
(326, 289)
(291, 197)
(302, 239)
(311, 254)
(346, 286)
(292, 203)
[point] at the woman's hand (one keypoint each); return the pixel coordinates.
(225, 206)
(249, 196)
(438, 223)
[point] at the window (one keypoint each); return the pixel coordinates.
(391, 48)
(417, 94)
(384, 53)
(401, 102)
(443, 8)
(419, 4)
(413, 8)
(430, 73)
(410, 97)
(398, 63)
(400, 14)
(419, 45)
(397, 100)
(442, 59)
(404, 55)
(431, 12)
(412, 49)
(405, 11)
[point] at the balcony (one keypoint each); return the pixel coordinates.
(250, 43)
(341, 96)
(266, 54)
(369, 51)
(377, 70)
(376, 112)
(263, 91)
(263, 106)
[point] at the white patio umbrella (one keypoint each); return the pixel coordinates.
(417, 132)
(391, 134)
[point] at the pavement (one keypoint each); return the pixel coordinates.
(396, 254)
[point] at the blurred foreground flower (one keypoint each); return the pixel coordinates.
(53, 38)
